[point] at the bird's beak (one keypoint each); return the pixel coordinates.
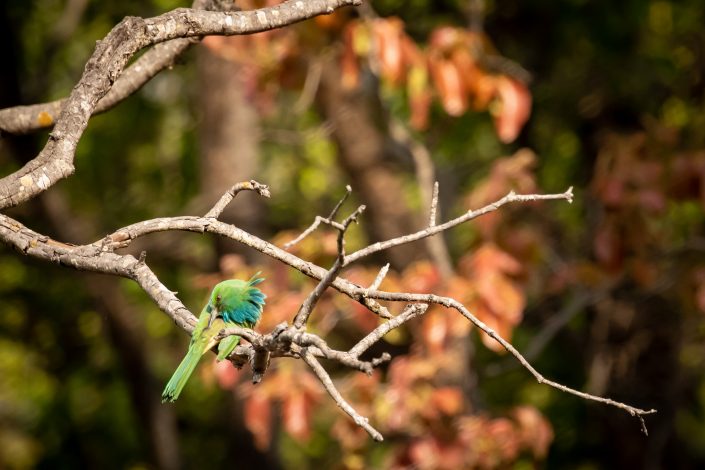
(214, 313)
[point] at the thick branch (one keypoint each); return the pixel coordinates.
(26, 119)
(109, 59)
(90, 258)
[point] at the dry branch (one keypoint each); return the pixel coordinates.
(103, 84)
(100, 257)
(110, 58)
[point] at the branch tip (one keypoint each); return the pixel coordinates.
(569, 195)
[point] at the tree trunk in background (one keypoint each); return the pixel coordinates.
(364, 152)
(635, 358)
(229, 138)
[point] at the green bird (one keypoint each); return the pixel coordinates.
(232, 303)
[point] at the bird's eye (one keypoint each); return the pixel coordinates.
(217, 298)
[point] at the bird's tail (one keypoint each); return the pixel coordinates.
(181, 375)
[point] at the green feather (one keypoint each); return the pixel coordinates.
(232, 303)
(227, 345)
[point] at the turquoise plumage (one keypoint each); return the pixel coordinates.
(232, 303)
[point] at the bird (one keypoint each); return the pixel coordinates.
(232, 303)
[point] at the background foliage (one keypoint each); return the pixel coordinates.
(606, 295)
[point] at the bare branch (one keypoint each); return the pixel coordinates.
(472, 214)
(380, 277)
(454, 304)
(107, 63)
(334, 212)
(411, 311)
(337, 397)
(318, 220)
(252, 185)
(99, 257)
(26, 119)
(434, 206)
(313, 298)
(305, 340)
(91, 258)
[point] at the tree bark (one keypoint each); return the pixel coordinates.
(229, 138)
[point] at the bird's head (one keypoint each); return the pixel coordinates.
(238, 301)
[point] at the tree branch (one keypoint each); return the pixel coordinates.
(283, 341)
(337, 397)
(472, 214)
(107, 63)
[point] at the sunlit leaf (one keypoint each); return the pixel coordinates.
(514, 109)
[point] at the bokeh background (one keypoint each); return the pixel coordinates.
(606, 294)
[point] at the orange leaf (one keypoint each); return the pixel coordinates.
(449, 85)
(448, 400)
(389, 33)
(349, 66)
(296, 415)
(535, 431)
(501, 327)
(434, 331)
(503, 298)
(514, 110)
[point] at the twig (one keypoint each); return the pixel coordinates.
(252, 185)
(472, 214)
(305, 340)
(315, 295)
(307, 306)
(380, 277)
(99, 257)
(337, 397)
(313, 80)
(454, 304)
(318, 220)
(411, 311)
(434, 206)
